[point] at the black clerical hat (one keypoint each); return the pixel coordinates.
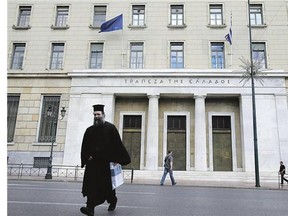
(98, 107)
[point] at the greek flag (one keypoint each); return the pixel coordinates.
(228, 36)
(112, 25)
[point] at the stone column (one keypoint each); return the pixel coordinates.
(109, 101)
(246, 119)
(200, 134)
(152, 133)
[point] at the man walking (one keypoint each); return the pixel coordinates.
(282, 172)
(168, 168)
(101, 145)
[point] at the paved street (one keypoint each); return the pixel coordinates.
(52, 198)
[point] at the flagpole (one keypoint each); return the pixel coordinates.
(122, 50)
(232, 42)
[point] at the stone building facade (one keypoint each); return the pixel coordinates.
(168, 79)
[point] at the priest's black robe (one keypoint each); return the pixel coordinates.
(104, 145)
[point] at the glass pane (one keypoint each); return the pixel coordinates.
(12, 110)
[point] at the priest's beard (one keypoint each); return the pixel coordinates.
(98, 121)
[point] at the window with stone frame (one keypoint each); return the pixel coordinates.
(96, 55)
(57, 56)
(138, 15)
(217, 55)
(62, 13)
(12, 111)
(177, 15)
(24, 16)
(48, 124)
(256, 14)
(18, 55)
(216, 14)
(259, 54)
(99, 15)
(176, 55)
(136, 55)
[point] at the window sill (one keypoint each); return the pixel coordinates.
(216, 26)
(258, 26)
(57, 69)
(60, 27)
(94, 27)
(137, 27)
(44, 144)
(176, 26)
(21, 27)
(10, 143)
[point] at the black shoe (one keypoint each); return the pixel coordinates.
(87, 211)
(174, 184)
(112, 205)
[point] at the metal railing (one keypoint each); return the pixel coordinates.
(62, 171)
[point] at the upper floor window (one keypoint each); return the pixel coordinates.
(61, 16)
(259, 54)
(99, 15)
(177, 55)
(138, 17)
(256, 14)
(48, 124)
(177, 15)
(96, 55)
(24, 16)
(216, 14)
(57, 56)
(18, 55)
(12, 110)
(217, 55)
(136, 55)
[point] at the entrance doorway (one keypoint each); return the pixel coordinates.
(176, 140)
(222, 143)
(132, 139)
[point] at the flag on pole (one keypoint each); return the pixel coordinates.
(228, 36)
(112, 25)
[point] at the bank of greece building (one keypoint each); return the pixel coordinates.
(169, 80)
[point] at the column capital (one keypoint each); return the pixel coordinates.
(156, 96)
(200, 96)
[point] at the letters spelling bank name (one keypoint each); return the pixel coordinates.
(195, 81)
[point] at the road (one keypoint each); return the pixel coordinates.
(51, 198)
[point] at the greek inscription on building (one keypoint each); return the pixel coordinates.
(176, 82)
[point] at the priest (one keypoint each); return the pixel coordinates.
(101, 145)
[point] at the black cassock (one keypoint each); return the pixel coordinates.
(104, 144)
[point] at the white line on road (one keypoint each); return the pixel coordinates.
(69, 204)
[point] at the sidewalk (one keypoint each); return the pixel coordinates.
(192, 183)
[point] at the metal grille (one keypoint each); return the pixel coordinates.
(41, 162)
(221, 122)
(12, 110)
(176, 123)
(48, 125)
(132, 122)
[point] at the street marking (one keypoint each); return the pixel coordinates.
(70, 204)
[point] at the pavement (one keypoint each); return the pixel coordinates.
(267, 185)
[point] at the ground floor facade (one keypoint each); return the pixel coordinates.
(205, 118)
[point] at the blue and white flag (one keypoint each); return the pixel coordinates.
(228, 36)
(112, 25)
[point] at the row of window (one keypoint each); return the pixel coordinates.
(136, 60)
(176, 18)
(48, 124)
